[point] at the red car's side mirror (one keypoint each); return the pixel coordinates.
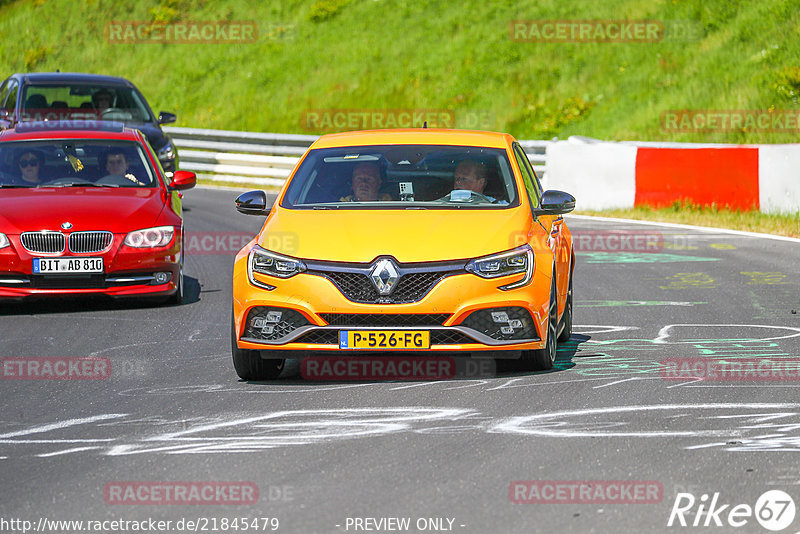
(183, 180)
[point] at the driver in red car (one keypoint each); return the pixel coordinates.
(115, 162)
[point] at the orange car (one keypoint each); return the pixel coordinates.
(391, 242)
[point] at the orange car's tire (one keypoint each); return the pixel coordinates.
(566, 319)
(543, 359)
(250, 365)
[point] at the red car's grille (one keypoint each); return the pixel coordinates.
(43, 242)
(88, 242)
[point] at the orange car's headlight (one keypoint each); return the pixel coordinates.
(263, 261)
(517, 261)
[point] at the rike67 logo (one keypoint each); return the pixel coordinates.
(774, 510)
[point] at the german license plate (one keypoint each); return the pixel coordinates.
(384, 339)
(67, 265)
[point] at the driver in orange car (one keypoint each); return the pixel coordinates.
(366, 182)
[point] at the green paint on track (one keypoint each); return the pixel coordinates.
(640, 257)
(631, 303)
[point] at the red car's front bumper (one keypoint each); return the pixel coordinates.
(127, 272)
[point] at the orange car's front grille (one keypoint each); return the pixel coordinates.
(384, 319)
(413, 280)
(411, 287)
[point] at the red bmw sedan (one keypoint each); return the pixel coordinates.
(85, 209)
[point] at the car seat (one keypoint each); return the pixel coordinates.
(36, 102)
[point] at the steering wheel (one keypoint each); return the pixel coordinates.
(116, 114)
(474, 197)
(114, 179)
(68, 180)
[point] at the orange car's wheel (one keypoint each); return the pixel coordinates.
(566, 319)
(543, 359)
(250, 365)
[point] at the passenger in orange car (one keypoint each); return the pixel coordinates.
(366, 183)
(470, 175)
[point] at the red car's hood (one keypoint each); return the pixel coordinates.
(118, 210)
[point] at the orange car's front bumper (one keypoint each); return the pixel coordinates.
(455, 296)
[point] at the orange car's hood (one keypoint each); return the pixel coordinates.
(355, 235)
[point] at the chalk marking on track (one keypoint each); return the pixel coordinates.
(664, 333)
(61, 425)
(66, 451)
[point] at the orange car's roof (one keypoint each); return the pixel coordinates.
(415, 136)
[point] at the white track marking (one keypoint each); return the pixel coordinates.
(549, 424)
(66, 451)
(61, 425)
(603, 329)
(664, 333)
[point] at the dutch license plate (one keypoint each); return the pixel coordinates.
(384, 339)
(67, 265)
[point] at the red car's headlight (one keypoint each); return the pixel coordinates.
(159, 236)
(4, 242)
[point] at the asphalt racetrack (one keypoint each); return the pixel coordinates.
(635, 407)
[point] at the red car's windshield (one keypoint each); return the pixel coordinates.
(75, 163)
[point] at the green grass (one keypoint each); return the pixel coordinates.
(401, 54)
(750, 221)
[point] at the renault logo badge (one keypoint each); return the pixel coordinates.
(66, 225)
(384, 276)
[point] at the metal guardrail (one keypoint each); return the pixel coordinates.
(265, 158)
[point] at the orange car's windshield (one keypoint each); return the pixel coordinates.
(403, 176)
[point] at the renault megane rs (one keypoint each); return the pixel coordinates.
(417, 241)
